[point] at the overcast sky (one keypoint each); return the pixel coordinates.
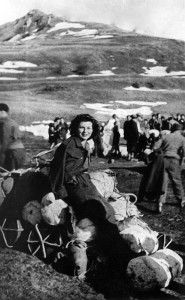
(164, 18)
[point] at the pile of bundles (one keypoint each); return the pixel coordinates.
(29, 205)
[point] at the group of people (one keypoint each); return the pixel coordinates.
(139, 134)
(143, 134)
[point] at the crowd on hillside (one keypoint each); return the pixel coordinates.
(139, 135)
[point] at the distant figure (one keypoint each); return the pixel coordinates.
(178, 117)
(107, 137)
(116, 136)
(56, 130)
(182, 121)
(126, 127)
(152, 122)
(132, 137)
(12, 152)
(143, 138)
(51, 133)
(158, 123)
(165, 124)
(139, 120)
(62, 129)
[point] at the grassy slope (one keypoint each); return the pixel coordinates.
(66, 98)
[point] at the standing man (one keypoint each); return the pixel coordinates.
(173, 147)
(126, 127)
(12, 152)
(116, 136)
(132, 137)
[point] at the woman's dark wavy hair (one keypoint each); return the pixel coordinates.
(84, 118)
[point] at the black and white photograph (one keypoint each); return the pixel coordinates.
(92, 150)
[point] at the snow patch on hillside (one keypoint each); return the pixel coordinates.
(10, 71)
(145, 103)
(144, 89)
(65, 25)
(85, 32)
(17, 64)
(8, 78)
(152, 60)
(37, 128)
(160, 71)
(71, 76)
(31, 37)
(109, 108)
(103, 73)
(108, 36)
(122, 113)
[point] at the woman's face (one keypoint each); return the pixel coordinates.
(85, 130)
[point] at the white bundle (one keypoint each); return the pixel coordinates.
(52, 210)
(147, 273)
(7, 185)
(140, 238)
(32, 212)
(85, 230)
(123, 207)
(104, 181)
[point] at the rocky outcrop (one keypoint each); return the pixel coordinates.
(33, 22)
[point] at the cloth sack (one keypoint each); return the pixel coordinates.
(32, 212)
(104, 181)
(52, 210)
(146, 273)
(123, 207)
(139, 236)
(85, 230)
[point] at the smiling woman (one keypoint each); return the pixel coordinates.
(69, 175)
